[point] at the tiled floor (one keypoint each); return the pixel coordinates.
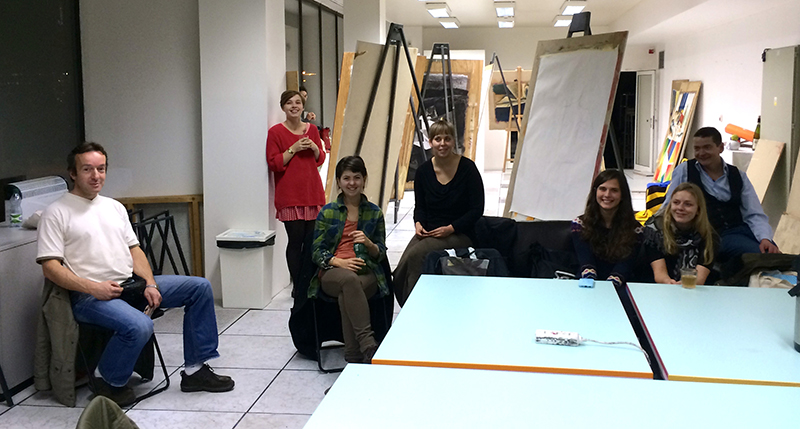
(275, 387)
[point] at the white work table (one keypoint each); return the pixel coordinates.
(721, 334)
(490, 323)
(385, 396)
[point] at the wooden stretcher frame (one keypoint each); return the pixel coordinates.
(549, 47)
(473, 69)
(338, 121)
(516, 81)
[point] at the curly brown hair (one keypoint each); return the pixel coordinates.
(618, 242)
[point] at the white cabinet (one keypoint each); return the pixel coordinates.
(21, 283)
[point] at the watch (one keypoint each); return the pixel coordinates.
(291, 152)
(155, 286)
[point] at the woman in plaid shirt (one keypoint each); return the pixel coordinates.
(349, 244)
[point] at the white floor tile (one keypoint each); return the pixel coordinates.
(250, 383)
(295, 392)
(172, 320)
(84, 395)
(146, 419)
(283, 300)
(27, 417)
(262, 322)
(18, 398)
(301, 363)
(257, 352)
(277, 421)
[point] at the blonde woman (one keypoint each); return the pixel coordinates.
(681, 237)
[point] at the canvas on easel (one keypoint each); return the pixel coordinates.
(563, 134)
(365, 66)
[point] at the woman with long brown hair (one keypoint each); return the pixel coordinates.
(606, 235)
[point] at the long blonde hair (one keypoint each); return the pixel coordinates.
(699, 224)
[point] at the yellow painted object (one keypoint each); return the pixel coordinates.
(653, 200)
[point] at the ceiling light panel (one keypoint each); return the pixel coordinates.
(449, 22)
(505, 22)
(438, 10)
(571, 7)
(504, 8)
(562, 21)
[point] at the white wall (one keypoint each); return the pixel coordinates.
(637, 57)
(726, 57)
(364, 20)
(242, 47)
(141, 81)
(414, 37)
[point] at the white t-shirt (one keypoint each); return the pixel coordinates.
(91, 237)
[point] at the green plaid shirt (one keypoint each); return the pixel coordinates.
(328, 232)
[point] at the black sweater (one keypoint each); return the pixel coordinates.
(458, 203)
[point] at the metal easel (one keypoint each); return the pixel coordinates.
(396, 38)
(443, 51)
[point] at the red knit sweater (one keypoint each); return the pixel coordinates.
(297, 184)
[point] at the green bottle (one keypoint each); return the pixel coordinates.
(361, 252)
(757, 132)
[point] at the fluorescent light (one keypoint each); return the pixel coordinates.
(505, 22)
(449, 22)
(504, 8)
(562, 21)
(438, 10)
(571, 7)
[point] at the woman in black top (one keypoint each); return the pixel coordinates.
(606, 235)
(448, 193)
(681, 237)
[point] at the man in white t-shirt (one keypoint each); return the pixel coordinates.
(87, 245)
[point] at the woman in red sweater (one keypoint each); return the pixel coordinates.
(294, 152)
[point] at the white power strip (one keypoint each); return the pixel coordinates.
(564, 338)
(558, 338)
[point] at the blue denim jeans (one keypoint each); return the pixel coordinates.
(737, 241)
(132, 328)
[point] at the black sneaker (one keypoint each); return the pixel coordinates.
(205, 380)
(123, 396)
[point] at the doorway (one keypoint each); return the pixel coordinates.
(644, 158)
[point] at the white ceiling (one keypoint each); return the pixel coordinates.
(480, 13)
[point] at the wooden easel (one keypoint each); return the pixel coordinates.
(513, 119)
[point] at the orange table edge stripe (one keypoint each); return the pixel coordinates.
(518, 368)
(733, 381)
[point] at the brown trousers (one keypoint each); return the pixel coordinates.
(410, 266)
(352, 291)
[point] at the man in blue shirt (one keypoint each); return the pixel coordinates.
(731, 200)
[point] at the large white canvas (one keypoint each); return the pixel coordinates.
(566, 124)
